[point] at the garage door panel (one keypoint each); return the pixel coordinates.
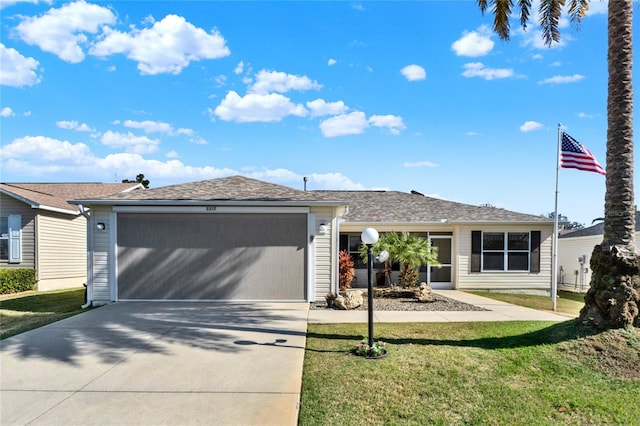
(212, 256)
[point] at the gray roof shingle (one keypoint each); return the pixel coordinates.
(404, 207)
(232, 188)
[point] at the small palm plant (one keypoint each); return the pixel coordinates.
(412, 251)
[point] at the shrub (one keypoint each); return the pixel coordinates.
(346, 272)
(17, 280)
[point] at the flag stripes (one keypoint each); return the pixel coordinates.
(573, 155)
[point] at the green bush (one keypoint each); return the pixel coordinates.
(17, 280)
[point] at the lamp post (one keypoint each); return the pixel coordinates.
(369, 237)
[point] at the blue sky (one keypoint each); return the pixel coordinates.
(352, 95)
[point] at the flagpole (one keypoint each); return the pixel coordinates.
(554, 262)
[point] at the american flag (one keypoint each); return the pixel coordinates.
(576, 156)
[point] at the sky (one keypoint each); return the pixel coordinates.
(418, 95)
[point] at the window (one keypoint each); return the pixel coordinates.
(505, 251)
(4, 238)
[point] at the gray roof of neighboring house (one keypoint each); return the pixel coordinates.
(228, 189)
(404, 207)
(55, 196)
(597, 229)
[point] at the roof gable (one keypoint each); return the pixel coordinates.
(232, 188)
(55, 196)
(597, 229)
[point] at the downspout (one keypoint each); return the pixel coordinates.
(89, 284)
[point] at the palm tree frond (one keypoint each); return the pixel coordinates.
(502, 12)
(525, 12)
(577, 10)
(549, 18)
(482, 4)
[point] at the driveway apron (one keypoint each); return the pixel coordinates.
(154, 363)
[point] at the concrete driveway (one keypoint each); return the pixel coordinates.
(158, 363)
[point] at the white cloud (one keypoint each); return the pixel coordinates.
(17, 70)
(198, 140)
(130, 142)
(477, 69)
(414, 72)
(354, 123)
(332, 181)
(39, 150)
(331, 61)
(537, 56)
(562, 79)
(475, 43)
(391, 122)
(6, 3)
(257, 107)
(149, 126)
(62, 31)
(172, 154)
(6, 112)
(586, 115)
(534, 38)
(274, 81)
(472, 133)
(167, 47)
(419, 164)
(239, 68)
(320, 107)
(73, 125)
(530, 126)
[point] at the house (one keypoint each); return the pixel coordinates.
(40, 230)
(574, 255)
(237, 238)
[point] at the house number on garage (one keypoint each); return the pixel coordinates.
(210, 208)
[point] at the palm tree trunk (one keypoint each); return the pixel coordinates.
(613, 299)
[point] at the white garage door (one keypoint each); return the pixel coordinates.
(211, 256)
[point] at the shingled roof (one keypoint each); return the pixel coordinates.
(227, 189)
(597, 229)
(404, 207)
(55, 196)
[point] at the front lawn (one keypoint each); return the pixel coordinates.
(566, 302)
(22, 312)
(471, 373)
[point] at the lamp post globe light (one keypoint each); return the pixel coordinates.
(369, 237)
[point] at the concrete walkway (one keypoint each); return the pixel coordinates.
(158, 364)
(496, 311)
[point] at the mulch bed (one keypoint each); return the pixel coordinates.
(441, 303)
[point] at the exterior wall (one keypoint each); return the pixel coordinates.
(570, 275)
(61, 250)
(9, 206)
(101, 258)
(507, 280)
(326, 252)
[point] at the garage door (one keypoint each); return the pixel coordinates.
(212, 256)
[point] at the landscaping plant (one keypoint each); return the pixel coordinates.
(346, 271)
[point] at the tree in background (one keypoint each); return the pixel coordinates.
(613, 299)
(139, 179)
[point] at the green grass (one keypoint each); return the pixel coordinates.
(566, 303)
(507, 373)
(23, 312)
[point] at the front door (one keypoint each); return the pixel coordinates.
(440, 277)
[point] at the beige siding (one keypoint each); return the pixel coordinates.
(10, 206)
(62, 248)
(467, 280)
(101, 257)
(325, 252)
(569, 249)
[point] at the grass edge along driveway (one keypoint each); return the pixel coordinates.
(471, 373)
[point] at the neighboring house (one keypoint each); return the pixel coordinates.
(574, 255)
(237, 238)
(41, 231)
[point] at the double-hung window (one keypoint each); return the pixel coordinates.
(505, 251)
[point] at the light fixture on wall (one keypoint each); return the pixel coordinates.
(322, 229)
(101, 226)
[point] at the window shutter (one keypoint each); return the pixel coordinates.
(476, 250)
(15, 238)
(535, 251)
